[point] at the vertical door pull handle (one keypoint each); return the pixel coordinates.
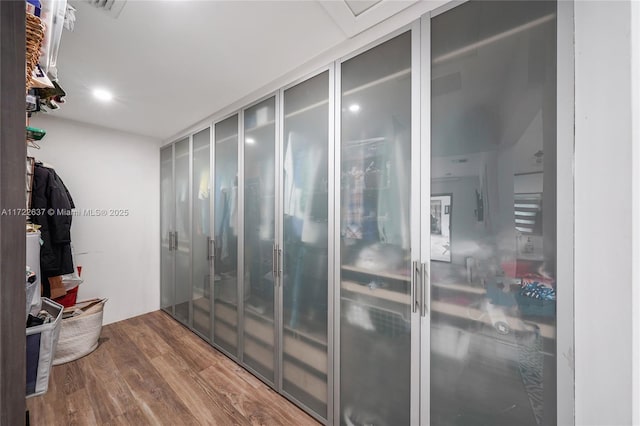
(170, 240)
(175, 240)
(426, 291)
(273, 264)
(415, 270)
(279, 262)
(211, 248)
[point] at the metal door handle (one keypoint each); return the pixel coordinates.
(415, 271)
(426, 291)
(211, 248)
(212, 242)
(279, 262)
(273, 264)
(175, 240)
(170, 239)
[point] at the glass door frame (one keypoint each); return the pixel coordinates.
(191, 200)
(176, 242)
(241, 236)
(190, 232)
(172, 195)
(280, 152)
(212, 218)
(414, 28)
(565, 210)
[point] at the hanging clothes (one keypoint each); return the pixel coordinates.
(393, 204)
(51, 196)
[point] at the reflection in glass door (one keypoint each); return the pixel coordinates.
(201, 234)
(167, 206)
(182, 235)
(259, 237)
(375, 319)
(305, 242)
(493, 214)
(225, 284)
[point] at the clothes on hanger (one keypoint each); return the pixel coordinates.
(51, 196)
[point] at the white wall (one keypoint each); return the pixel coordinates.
(107, 169)
(603, 237)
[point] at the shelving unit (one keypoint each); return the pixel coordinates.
(380, 274)
(379, 293)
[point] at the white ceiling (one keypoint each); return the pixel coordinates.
(170, 64)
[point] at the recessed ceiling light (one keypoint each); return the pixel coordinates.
(354, 107)
(250, 141)
(102, 95)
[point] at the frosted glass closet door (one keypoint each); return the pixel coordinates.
(305, 236)
(201, 233)
(167, 207)
(259, 237)
(225, 284)
(375, 319)
(493, 214)
(183, 231)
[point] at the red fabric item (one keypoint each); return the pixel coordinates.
(68, 299)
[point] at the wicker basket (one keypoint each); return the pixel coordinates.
(34, 37)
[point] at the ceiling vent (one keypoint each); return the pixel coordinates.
(356, 16)
(111, 7)
(359, 6)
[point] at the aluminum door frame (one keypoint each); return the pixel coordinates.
(565, 143)
(212, 218)
(212, 213)
(171, 194)
(424, 351)
(240, 244)
(241, 183)
(565, 205)
(190, 231)
(335, 174)
(330, 242)
(177, 241)
(191, 261)
(416, 209)
(414, 28)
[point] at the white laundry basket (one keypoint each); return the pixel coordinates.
(79, 334)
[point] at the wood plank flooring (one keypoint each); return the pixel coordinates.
(150, 370)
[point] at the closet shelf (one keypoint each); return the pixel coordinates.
(227, 138)
(465, 288)
(398, 277)
(259, 127)
(307, 108)
(450, 309)
(478, 315)
(362, 142)
(380, 293)
(314, 357)
(385, 79)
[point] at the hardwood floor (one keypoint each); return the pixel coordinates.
(150, 370)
